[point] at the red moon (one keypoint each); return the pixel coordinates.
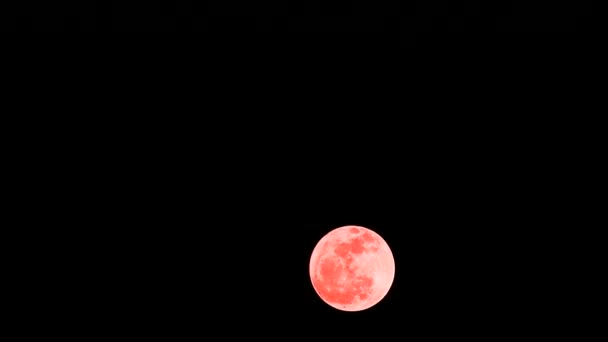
(352, 268)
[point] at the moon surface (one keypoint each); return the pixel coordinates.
(352, 268)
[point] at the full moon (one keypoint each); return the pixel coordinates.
(352, 268)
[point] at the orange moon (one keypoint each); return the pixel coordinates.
(352, 268)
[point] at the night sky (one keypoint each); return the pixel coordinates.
(205, 226)
(311, 16)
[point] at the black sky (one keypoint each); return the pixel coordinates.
(311, 16)
(206, 226)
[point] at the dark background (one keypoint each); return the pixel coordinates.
(271, 16)
(160, 225)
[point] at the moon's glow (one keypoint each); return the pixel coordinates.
(352, 268)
